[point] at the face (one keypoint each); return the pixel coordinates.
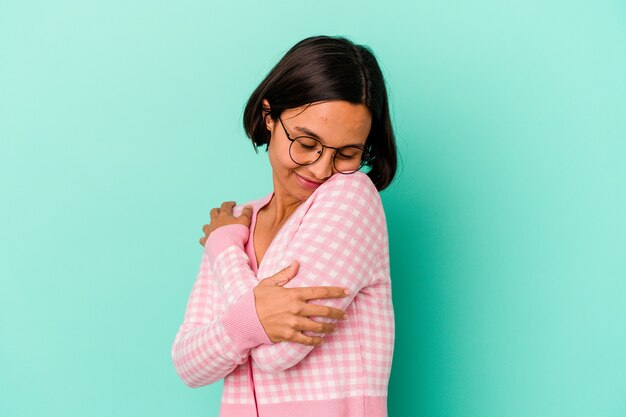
(337, 123)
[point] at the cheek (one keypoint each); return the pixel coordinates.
(280, 160)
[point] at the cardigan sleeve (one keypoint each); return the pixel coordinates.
(336, 244)
(217, 332)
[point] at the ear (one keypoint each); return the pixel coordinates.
(269, 123)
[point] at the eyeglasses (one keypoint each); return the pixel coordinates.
(305, 150)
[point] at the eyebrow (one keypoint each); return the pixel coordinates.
(316, 136)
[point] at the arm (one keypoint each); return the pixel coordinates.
(215, 337)
(336, 244)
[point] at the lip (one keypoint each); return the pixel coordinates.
(307, 183)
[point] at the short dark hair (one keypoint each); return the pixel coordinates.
(325, 68)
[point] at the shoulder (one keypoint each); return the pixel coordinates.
(355, 189)
(237, 209)
(358, 183)
(354, 195)
(346, 209)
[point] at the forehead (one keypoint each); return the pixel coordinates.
(335, 123)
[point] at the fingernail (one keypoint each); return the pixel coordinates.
(345, 316)
(346, 292)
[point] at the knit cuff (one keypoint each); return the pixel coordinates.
(225, 236)
(242, 323)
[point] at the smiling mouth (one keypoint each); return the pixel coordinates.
(305, 178)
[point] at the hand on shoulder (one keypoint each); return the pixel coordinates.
(225, 215)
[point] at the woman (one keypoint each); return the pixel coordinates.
(321, 235)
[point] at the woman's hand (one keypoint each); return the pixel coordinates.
(284, 312)
(224, 216)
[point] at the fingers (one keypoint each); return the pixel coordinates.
(310, 310)
(224, 211)
(302, 324)
(314, 326)
(298, 337)
(247, 212)
(227, 206)
(311, 293)
(283, 276)
(288, 273)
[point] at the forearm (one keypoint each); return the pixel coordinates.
(230, 263)
(207, 352)
(201, 355)
(214, 337)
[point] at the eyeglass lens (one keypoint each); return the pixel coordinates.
(305, 150)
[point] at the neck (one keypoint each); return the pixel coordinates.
(281, 205)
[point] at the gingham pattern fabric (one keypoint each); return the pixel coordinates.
(339, 237)
(203, 352)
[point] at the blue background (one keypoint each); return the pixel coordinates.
(121, 126)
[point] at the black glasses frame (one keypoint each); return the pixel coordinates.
(292, 140)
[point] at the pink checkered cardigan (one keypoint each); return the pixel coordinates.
(339, 237)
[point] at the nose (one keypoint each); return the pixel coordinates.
(323, 167)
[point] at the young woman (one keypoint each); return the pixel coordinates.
(321, 235)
